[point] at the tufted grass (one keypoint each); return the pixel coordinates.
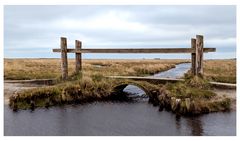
(17, 69)
(220, 70)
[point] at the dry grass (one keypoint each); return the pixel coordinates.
(31, 68)
(220, 70)
(193, 96)
(93, 86)
(83, 90)
(51, 68)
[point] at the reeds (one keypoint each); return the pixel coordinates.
(17, 69)
(193, 96)
(184, 98)
(220, 70)
(83, 90)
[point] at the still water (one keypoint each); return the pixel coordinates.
(139, 118)
(115, 118)
(176, 72)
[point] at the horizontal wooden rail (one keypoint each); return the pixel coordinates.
(164, 80)
(197, 50)
(137, 50)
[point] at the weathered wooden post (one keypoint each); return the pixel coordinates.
(199, 55)
(64, 58)
(193, 46)
(78, 45)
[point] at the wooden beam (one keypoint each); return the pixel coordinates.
(149, 79)
(64, 64)
(78, 56)
(199, 54)
(216, 84)
(137, 50)
(193, 60)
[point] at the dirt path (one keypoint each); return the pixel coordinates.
(11, 88)
(230, 93)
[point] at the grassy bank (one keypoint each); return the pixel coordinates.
(193, 96)
(84, 90)
(187, 98)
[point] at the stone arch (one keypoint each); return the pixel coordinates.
(121, 85)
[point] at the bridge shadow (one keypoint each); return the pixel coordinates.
(121, 87)
(151, 92)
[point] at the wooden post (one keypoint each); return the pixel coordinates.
(64, 58)
(193, 46)
(78, 45)
(199, 54)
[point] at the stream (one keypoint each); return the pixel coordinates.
(117, 118)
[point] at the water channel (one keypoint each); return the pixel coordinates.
(117, 118)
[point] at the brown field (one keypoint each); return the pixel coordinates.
(15, 69)
(220, 70)
(93, 86)
(214, 70)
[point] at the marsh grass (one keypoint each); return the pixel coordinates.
(194, 88)
(193, 96)
(220, 70)
(16, 69)
(187, 98)
(87, 89)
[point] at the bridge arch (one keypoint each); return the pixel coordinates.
(151, 90)
(120, 86)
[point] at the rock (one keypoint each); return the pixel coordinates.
(178, 101)
(32, 105)
(192, 106)
(15, 107)
(63, 97)
(188, 103)
(47, 104)
(161, 99)
(183, 108)
(175, 104)
(160, 108)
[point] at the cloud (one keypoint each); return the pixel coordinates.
(38, 28)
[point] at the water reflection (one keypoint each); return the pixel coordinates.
(176, 72)
(195, 124)
(136, 93)
(178, 122)
(139, 118)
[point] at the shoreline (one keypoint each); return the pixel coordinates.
(20, 87)
(87, 89)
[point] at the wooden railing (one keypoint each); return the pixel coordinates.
(197, 49)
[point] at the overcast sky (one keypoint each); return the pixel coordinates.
(33, 31)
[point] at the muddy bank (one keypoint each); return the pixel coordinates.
(230, 93)
(14, 88)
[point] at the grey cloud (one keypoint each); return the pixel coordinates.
(39, 27)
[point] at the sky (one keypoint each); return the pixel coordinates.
(33, 31)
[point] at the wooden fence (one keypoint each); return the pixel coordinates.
(197, 49)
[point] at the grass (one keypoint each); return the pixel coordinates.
(220, 70)
(191, 96)
(17, 69)
(193, 88)
(83, 90)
